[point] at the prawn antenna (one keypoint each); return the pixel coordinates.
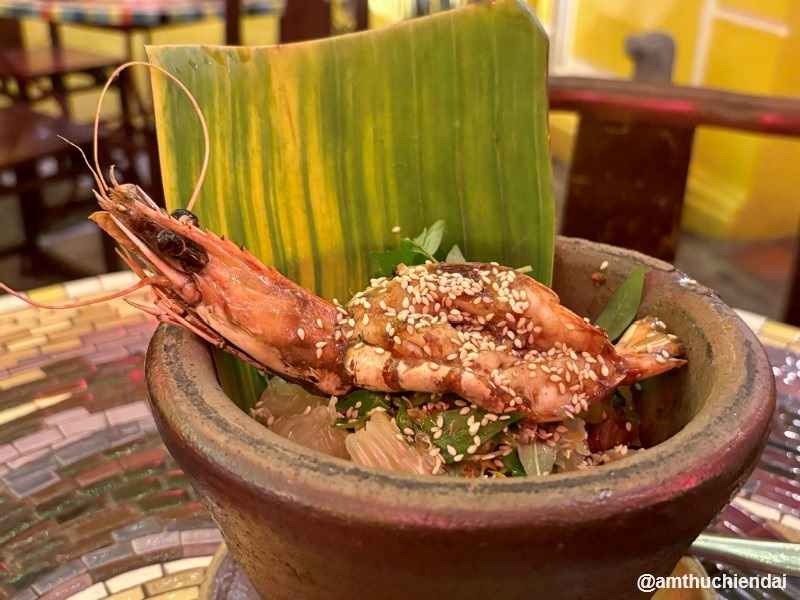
(96, 174)
(154, 280)
(185, 90)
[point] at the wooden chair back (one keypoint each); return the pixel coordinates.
(631, 159)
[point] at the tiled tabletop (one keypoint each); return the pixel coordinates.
(93, 506)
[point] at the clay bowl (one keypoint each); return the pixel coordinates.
(303, 525)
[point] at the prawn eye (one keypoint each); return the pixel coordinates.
(170, 243)
(186, 217)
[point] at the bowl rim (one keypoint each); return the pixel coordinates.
(179, 363)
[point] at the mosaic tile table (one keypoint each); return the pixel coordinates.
(93, 506)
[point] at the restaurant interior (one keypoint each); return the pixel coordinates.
(684, 113)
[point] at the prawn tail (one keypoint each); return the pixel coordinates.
(648, 349)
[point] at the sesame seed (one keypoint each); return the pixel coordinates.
(319, 323)
(301, 333)
(379, 350)
(451, 450)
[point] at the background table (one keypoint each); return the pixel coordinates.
(93, 506)
(130, 13)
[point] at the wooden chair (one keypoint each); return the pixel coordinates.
(32, 75)
(631, 159)
(32, 158)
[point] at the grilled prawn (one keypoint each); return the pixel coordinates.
(492, 335)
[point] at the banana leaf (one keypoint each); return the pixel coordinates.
(320, 149)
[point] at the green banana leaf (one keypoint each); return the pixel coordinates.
(320, 149)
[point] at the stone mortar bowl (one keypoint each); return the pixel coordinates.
(304, 525)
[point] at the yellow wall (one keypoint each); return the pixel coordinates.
(601, 29)
(740, 186)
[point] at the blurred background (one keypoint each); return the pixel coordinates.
(738, 211)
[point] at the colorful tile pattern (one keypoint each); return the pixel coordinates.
(93, 506)
(91, 503)
(129, 13)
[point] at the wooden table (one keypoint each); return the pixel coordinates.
(142, 14)
(302, 19)
(91, 502)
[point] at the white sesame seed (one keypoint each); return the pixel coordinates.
(301, 333)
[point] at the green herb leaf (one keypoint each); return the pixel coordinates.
(360, 403)
(387, 261)
(513, 465)
(431, 238)
(621, 308)
(411, 252)
(455, 255)
(455, 430)
(403, 419)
